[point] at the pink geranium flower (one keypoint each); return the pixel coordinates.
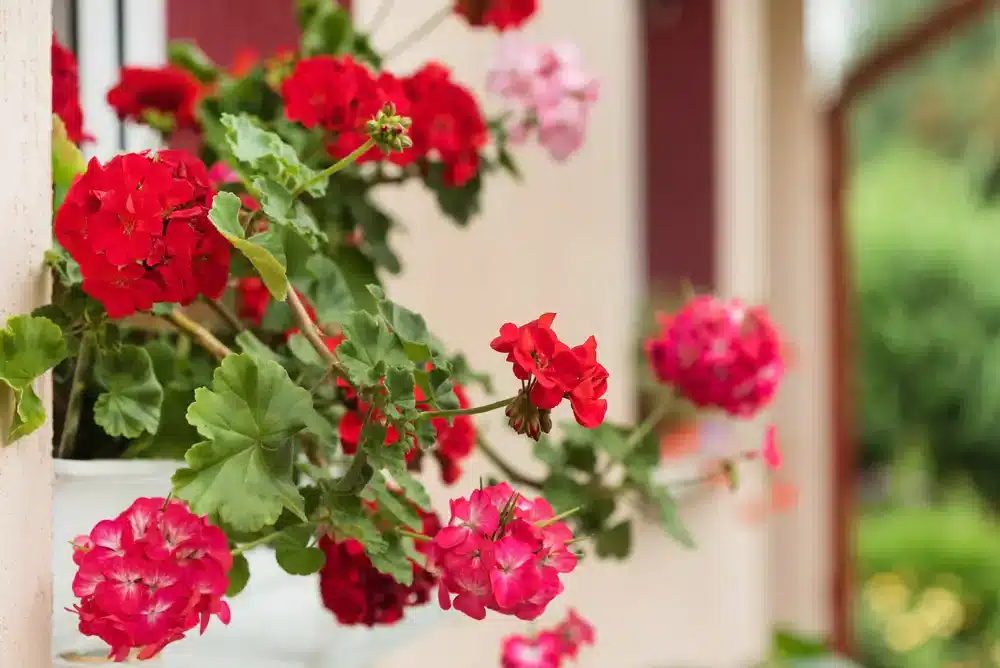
(546, 89)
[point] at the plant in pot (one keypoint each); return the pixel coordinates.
(235, 393)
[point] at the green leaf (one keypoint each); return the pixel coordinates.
(350, 519)
(300, 560)
(304, 352)
(326, 28)
(369, 348)
(789, 645)
(132, 397)
(413, 489)
(564, 493)
(410, 327)
(670, 518)
(393, 504)
(259, 249)
(242, 472)
(250, 344)
(615, 542)
(67, 162)
(239, 575)
(66, 269)
(461, 203)
(382, 456)
(281, 208)
(187, 56)
(394, 562)
(401, 397)
(549, 453)
(29, 346)
(438, 387)
(329, 292)
(269, 155)
(580, 457)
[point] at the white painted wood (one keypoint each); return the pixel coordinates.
(145, 39)
(97, 55)
(802, 558)
(26, 207)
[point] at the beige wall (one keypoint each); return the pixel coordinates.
(25, 212)
(567, 239)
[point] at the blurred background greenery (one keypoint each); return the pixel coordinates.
(925, 216)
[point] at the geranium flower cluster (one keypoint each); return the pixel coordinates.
(548, 649)
(547, 90)
(66, 92)
(148, 576)
(149, 94)
(501, 551)
(500, 14)
(359, 594)
(719, 354)
(138, 227)
(453, 444)
(550, 371)
(339, 95)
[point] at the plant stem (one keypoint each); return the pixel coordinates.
(646, 426)
(358, 462)
(414, 535)
(334, 168)
(74, 407)
(264, 540)
(476, 410)
(380, 16)
(513, 475)
(223, 312)
(199, 334)
(307, 326)
(421, 31)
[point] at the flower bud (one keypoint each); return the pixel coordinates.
(389, 130)
(526, 418)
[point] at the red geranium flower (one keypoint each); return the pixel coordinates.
(448, 124)
(150, 575)
(501, 14)
(357, 593)
(551, 371)
(165, 90)
(66, 92)
(328, 92)
(386, 88)
(719, 354)
(138, 226)
(501, 551)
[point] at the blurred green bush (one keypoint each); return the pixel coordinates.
(930, 587)
(927, 271)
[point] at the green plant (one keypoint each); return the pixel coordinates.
(928, 316)
(929, 585)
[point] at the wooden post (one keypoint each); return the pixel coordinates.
(25, 218)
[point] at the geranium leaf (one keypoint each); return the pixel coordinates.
(67, 162)
(300, 560)
(187, 56)
(410, 327)
(615, 542)
(29, 346)
(281, 208)
(261, 249)
(269, 155)
(326, 27)
(243, 470)
(458, 203)
(394, 504)
(413, 489)
(132, 397)
(394, 562)
(369, 348)
(329, 290)
(670, 518)
(239, 575)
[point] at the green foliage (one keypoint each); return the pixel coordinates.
(928, 313)
(242, 472)
(187, 56)
(132, 397)
(263, 250)
(29, 346)
(909, 559)
(793, 650)
(67, 162)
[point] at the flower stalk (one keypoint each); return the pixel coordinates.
(475, 410)
(199, 334)
(74, 406)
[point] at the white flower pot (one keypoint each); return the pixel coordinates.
(278, 621)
